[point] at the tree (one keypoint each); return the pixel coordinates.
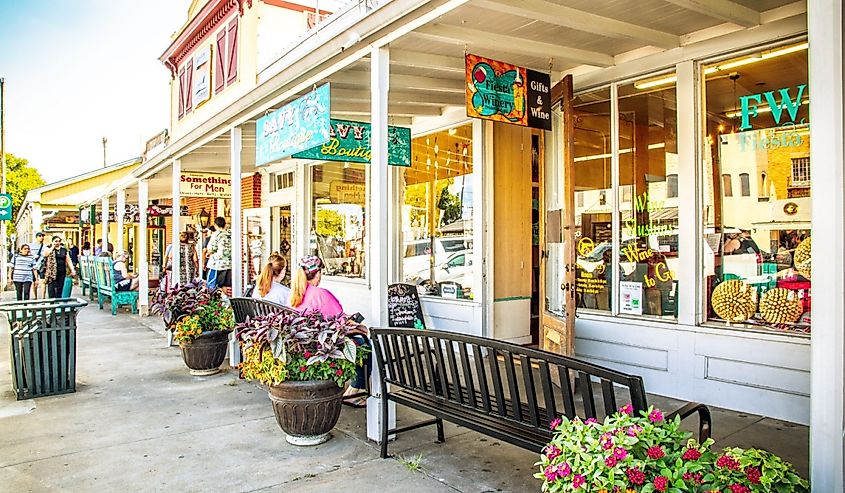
(20, 179)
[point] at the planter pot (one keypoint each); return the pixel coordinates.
(206, 353)
(307, 410)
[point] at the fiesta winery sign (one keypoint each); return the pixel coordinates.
(205, 185)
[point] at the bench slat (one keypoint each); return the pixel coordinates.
(436, 381)
(424, 382)
(608, 396)
(493, 361)
(482, 378)
(407, 361)
(530, 393)
(566, 391)
(586, 388)
(453, 369)
(513, 386)
(468, 379)
(444, 380)
(548, 393)
(397, 357)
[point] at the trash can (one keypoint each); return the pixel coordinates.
(43, 345)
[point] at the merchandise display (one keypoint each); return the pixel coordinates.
(734, 300)
(780, 305)
(803, 257)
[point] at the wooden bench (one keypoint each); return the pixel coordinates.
(104, 272)
(509, 392)
(87, 277)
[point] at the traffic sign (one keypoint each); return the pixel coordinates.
(5, 207)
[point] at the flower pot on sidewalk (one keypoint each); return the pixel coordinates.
(307, 411)
(205, 354)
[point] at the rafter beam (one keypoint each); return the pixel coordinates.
(426, 61)
(725, 10)
(428, 98)
(580, 20)
(478, 39)
(362, 78)
(392, 109)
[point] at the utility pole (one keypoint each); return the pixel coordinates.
(3, 254)
(104, 151)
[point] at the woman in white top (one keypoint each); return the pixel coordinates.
(269, 286)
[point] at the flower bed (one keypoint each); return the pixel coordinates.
(647, 453)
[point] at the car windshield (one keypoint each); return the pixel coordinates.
(454, 244)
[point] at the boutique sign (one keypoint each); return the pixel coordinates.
(299, 125)
(507, 93)
(351, 142)
(205, 185)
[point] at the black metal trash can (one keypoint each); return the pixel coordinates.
(43, 345)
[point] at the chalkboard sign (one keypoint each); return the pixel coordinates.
(403, 307)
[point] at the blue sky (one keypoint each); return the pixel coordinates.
(78, 71)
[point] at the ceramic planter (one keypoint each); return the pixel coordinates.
(205, 354)
(307, 410)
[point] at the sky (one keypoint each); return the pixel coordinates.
(80, 70)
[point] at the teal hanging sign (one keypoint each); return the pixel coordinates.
(351, 142)
(299, 125)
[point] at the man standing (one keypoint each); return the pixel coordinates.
(37, 250)
(220, 257)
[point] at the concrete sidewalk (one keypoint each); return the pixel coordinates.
(140, 422)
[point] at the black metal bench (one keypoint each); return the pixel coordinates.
(509, 392)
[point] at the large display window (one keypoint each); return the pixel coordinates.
(437, 215)
(756, 202)
(338, 215)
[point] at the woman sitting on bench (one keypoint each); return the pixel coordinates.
(307, 296)
(123, 280)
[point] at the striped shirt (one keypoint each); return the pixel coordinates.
(22, 266)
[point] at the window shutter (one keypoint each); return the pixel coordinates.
(189, 85)
(220, 62)
(181, 92)
(232, 74)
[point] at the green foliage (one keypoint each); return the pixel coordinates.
(413, 464)
(330, 223)
(192, 309)
(451, 206)
(20, 178)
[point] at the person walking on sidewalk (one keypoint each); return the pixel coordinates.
(23, 272)
(220, 257)
(37, 250)
(57, 265)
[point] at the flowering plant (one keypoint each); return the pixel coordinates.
(192, 310)
(648, 453)
(289, 346)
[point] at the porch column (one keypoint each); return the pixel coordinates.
(377, 218)
(104, 225)
(827, 167)
(237, 246)
(143, 257)
(119, 212)
(176, 223)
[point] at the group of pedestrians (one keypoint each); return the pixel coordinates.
(41, 266)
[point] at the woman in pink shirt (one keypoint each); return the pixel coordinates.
(307, 296)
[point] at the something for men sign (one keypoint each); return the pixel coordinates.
(205, 185)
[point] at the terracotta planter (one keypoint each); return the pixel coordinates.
(307, 410)
(206, 353)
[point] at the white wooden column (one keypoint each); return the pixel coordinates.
(689, 227)
(377, 218)
(143, 256)
(237, 211)
(119, 212)
(827, 167)
(176, 223)
(104, 225)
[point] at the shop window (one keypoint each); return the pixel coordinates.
(727, 189)
(672, 186)
(648, 227)
(338, 215)
(744, 185)
(593, 215)
(756, 259)
(281, 181)
(437, 214)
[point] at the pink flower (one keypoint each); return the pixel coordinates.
(660, 483)
(655, 453)
(634, 430)
(332, 364)
(552, 452)
(610, 461)
(606, 441)
(578, 481)
(738, 488)
(627, 409)
(555, 423)
(727, 462)
(550, 472)
(338, 372)
(753, 475)
(564, 470)
(592, 421)
(620, 453)
(307, 354)
(691, 454)
(655, 416)
(696, 478)
(303, 369)
(635, 476)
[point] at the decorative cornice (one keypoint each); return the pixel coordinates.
(198, 29)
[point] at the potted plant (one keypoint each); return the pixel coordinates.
(306, 361)
(647, 453)
(201, 321)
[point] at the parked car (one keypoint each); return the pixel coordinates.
(417, 253)
(456, 267)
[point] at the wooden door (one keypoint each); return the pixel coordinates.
(557, 226)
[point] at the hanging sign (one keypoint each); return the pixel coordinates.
(350, 142)
(202, 76)
(507, 93)
(341, 192)
(165, 210)
(299, 125)
(205, 185)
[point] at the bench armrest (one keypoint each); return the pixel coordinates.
(705, 421)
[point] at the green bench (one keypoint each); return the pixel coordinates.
(104, 272)
(87, 278)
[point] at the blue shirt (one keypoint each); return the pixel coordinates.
(22, 266)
